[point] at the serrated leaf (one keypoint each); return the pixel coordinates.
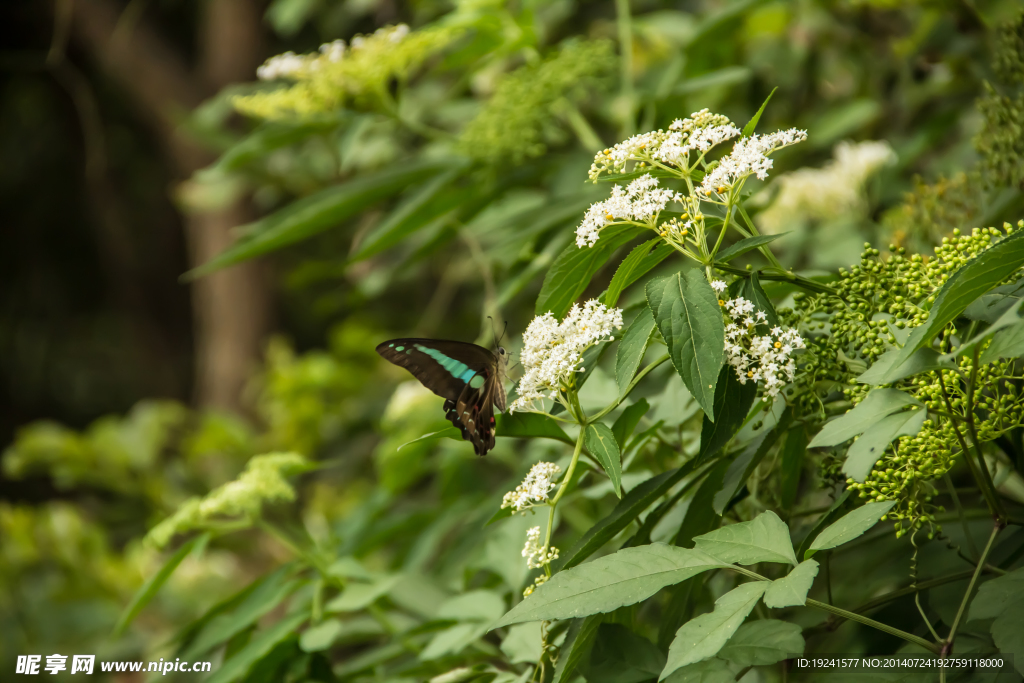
(626, 423)
(700, 514)
(762, 642)
(792, 589)
(876, 405)
(316, 213)
(706, 671)
(868, 449)
(745, 245)
(153, 584)
(748, 129)
(732, 403)
(994, 596)
(572, 271)
(637, 263)
(750, 288)
(980, 274)
(638, 499)
(578, 642)
(601, 443)
(1008, 634)
(622, 578)
(830, 516)
(704, 636)
(686, 310)
(632, 347)
(763, 539)
(850, 526)
(881, 371)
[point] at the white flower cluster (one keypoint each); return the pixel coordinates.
(533, 551)
(748, 156)
(534, 489)
(641, 201)
(835, 190)
(701, 131)
(552, 350)
(289, 64)
(767, 358)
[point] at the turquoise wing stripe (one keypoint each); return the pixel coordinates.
(458, 369)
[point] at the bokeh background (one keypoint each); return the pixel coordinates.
(125, 389)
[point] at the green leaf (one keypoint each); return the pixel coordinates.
(730, 75)
(154, 583)
(850, 526)
(980, 274)
(357, 596)
(262, 643)
(621, 656)
(446, 433)
(791, 465)
(748, 129)
(763, 539)
(629, 508)
(690, 319)
(632, 347)
(762, 642)
(523, 425)
(830, 516)
(750, 289)
(637, 263)
(704, 636)
(740, 469)
(700, 514)
(1007, 343)
(1009, 318)
(877, 404)
(706, 671)
(626, 423)
(996, 595)
(413, 214)
(477, 605)
(866, 451)
(732, 403)
(523, 643)
(572, 271)
(452, 640)
(622, 578)
(268, 595)
(745, 245)
(578, 642)
(601, 443)
(791, 590)
(881, 371)
(320, 637)
(1008, 634)
(316, 213)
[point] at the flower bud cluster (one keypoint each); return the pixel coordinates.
(641, 201)
(535, 487)
(533, 551)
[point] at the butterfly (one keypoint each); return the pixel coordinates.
(468, 377)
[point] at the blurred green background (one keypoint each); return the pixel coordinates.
(124, 389)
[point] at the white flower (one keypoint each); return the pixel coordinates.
(831, 191)
(534, 489)
(290, 65)
(533, 551)
(766, 358)
(641, 201)
(552, 350)
(749, 156)
(718, 285)
(282, 66)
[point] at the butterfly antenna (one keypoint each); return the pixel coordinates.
(503, 330)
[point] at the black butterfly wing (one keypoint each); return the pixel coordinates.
(473, 414)
(465, 375)
(445, 367)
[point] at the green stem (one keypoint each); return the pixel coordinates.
(852, 616)
(885, 628)
(553, 503)
(996, 528)
(963, 447)
(972, 429)
(636, 380)
(784, 276)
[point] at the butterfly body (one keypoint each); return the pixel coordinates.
(469, 377)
